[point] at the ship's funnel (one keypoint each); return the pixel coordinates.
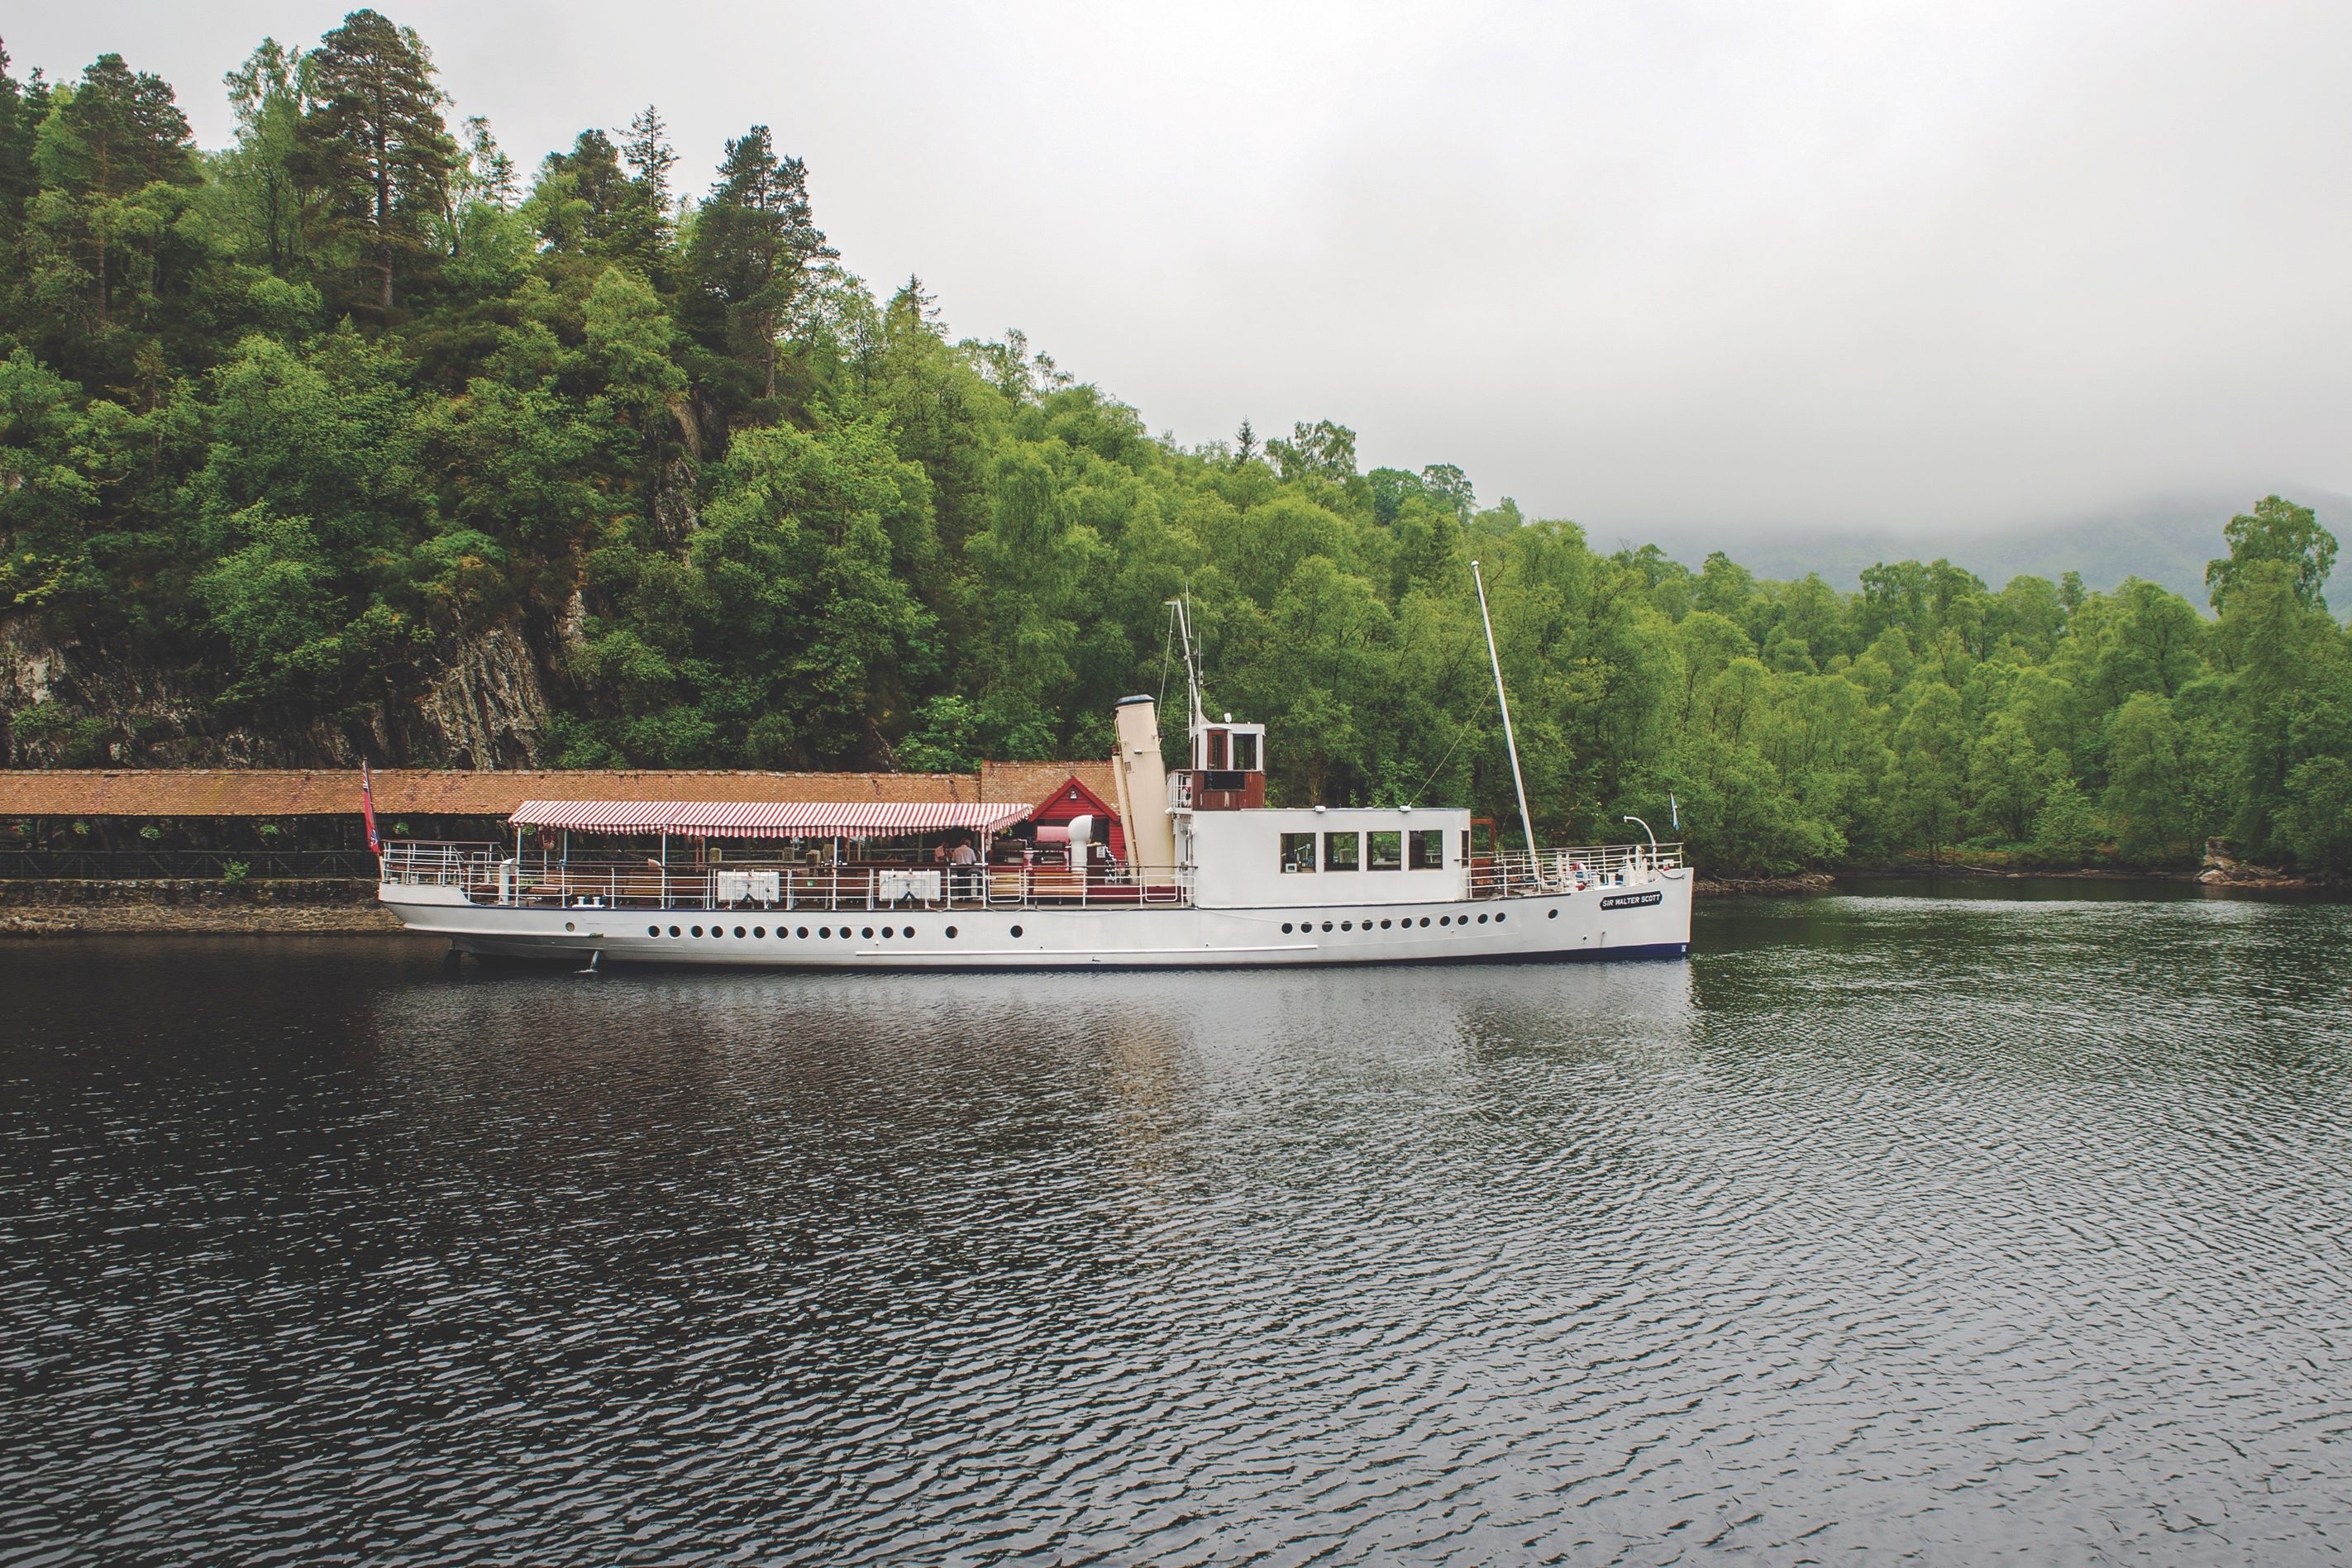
(1142, 780)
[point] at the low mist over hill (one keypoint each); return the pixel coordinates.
(2165, 541)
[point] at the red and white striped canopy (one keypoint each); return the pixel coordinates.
(768, 818)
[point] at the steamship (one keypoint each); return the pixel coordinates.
(1185, 869)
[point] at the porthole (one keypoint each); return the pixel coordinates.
(825, 931)
(1500, 918)
(868, 934)
(802, 934)
(1482, 920)
(1553, 916)
(844, 934)
(673, 930)
(569, 926)
(1327, 926)
(887, 933)
(1384, 926)
(763, 931)
(1424, 921)
(1017, 931)
(907, 931)
(1446, 920)
(1347, 926)
(1285, 928)
(698, 931)
(653, 930)
(739, 933)
(950, 933)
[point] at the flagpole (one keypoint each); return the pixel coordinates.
(367, 810)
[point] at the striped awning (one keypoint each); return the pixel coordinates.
(768, 819)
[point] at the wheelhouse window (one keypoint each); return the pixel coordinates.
(1216, 752)
(1386, 852)
(1343, 851)
(1246, 752)
(1425, 849)
(1298, 852)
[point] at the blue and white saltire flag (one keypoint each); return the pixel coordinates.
(1675, 807)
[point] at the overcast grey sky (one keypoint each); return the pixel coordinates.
(1740, 266)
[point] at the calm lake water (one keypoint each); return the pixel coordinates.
(1952, 1226)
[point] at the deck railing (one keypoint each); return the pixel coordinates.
(487, 876)
(489, 873)
(1516, 874)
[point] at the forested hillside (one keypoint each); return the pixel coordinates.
(351, 440)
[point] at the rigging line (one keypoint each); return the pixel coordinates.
(1450, 750)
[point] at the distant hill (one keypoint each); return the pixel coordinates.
(2168, 541)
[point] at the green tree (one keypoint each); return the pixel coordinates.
(2317, 818)
(2065, 831)
(755, 238)
(1322, 450)
(2148, 795)
(1930, 765)
(266, 95)
(2007, 777)
(111, 156)
(2275, 531)
(376, 151)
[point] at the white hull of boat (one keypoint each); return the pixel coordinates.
(1644, 920)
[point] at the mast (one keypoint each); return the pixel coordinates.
(1526, 822)
(1184, 608)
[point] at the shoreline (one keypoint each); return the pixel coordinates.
(340, 906)
(324, 907)
(2225, 878)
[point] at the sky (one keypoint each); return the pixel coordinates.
(1732, 269)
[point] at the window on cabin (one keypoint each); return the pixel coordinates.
(1216, 752)
(1298, 852)
(1246, 753)
(1425, 849)
(1343, 851)
(1386, 852)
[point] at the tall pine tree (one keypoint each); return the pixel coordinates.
(117, 136)
(375, 149)
(754, 240)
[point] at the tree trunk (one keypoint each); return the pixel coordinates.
(383, 206)
(99, 234)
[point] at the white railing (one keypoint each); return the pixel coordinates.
(491, 874)
(429, 863)
(1515, 873)
(546, 881)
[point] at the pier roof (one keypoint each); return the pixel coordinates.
(451, 792)
(441, 792)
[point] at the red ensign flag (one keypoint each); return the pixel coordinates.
(367, 809)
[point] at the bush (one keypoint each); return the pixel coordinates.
(2066, 832)
(234, 875)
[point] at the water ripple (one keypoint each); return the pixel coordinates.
(1885, 1226)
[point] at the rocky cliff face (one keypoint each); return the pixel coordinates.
(483, 703)
(488, 708)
